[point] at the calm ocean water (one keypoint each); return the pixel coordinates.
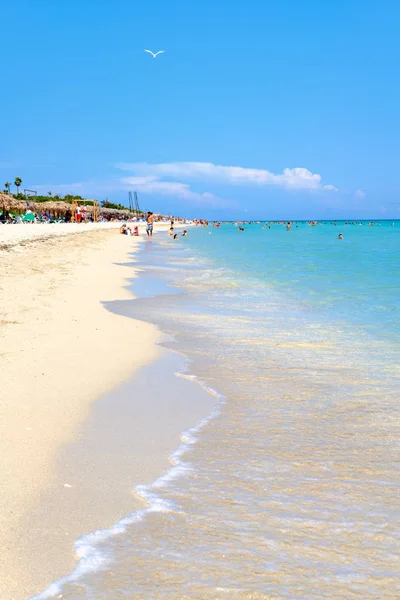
(290, 490)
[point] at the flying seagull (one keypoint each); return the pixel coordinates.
(156, 54)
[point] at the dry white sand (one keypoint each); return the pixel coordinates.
(59, 351)
(11, 235)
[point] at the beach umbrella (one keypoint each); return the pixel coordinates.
(8, 202)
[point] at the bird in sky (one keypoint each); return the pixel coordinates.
(156, 54)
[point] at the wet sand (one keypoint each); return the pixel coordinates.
(60, 350)
(126, 441)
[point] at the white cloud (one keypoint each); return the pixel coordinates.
(297, 178)
(359, 194)
(150, 184)
(170, 179)
(145, 184)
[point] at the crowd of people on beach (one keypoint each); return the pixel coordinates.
(9, 218)
(150, 219)
(83, 215)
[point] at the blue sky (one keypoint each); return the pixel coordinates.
(257, 109)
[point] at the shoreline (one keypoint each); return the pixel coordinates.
(60, 351)
(299, 396)
(106, 496)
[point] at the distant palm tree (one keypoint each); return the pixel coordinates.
(7, 185)
(17, 183)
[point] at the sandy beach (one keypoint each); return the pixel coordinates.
(60, 350)
(17, 235)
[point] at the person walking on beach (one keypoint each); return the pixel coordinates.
(150, 223)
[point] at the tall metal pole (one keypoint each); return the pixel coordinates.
(137, 207)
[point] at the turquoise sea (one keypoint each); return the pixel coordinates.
(290, 489)
(357, 278)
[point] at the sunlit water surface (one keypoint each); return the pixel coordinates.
(290, 489)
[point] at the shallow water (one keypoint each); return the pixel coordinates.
(290, 489)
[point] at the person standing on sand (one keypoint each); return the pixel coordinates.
(150, 223)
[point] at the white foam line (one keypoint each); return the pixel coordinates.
(90, 558)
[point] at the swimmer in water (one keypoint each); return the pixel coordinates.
(175, 236)
(340, 236)
(240, 229)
